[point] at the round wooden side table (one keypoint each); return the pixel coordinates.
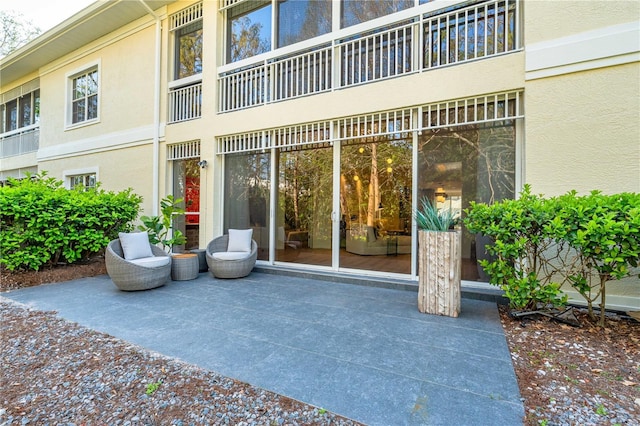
(184, 266)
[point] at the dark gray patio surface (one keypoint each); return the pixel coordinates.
(362, 352)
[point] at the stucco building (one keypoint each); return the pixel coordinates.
(321, 124)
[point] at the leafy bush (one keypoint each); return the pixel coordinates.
(540, 244)
(44, 224)
(523, 232)
(604, 231)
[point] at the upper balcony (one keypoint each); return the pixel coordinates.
(412, 41)
(20, 141)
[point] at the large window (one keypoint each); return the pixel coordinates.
(249, 30)
(188, 53)
(21, 112)
(300, 20)
(358, 11)
(247, 197)
(84, 97)
(457, 165)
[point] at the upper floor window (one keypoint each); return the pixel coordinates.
(358, 11)
(300, 20)
(249, 29)
(186, 26)
(249, 22)
(84, 96)
(188, 52)
(21, 112)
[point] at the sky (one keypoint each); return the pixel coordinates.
(46, 14)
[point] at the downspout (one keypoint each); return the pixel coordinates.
(156, 111)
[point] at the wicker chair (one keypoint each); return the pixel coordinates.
(128, 276)
(236, 268)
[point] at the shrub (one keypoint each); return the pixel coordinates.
(540, 244)
(604, 231)
(44, 224)
(524, 233)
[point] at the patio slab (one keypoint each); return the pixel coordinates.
(363, 352)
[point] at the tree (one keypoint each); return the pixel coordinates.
(245, 39)
(15, 31)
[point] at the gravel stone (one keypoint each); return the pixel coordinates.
(55, 372)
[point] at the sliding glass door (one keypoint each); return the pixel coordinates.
(375, 205)
(304, 206)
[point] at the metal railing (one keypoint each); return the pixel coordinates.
(414, 44)
(20, 142)
(185, 103)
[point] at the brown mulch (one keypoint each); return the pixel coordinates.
(64, 272)
(567, 375)
(576, 375)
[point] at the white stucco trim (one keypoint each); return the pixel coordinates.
(604, 47)
(128, 138)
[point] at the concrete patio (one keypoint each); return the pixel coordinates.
(363, 352)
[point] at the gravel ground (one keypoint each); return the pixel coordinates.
(55, 372)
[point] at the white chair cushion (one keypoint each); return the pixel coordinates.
(152, 262)
(230, 255)
(240, 240)
(135, 245)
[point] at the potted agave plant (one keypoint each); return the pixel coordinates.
(439, 263)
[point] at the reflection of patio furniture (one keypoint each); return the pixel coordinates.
(365, 240)
(233, 260)
(141, 273)
(300, 238)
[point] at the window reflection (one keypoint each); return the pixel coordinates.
(300, 20)
(247, 197)
(461, 164)
(249, 30)
(358, 11)
(189, 50)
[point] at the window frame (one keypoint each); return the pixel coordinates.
(71, 77)
(241, 10)
(176, 34)
(68, 175)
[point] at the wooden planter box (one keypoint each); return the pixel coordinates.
(439, 272)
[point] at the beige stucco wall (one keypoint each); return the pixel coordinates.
(126, 78)
(117, 170)
(503, 73)
(550, 19)
(583, 131)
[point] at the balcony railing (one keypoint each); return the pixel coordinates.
(185, 103)
(21, 141)
(410, 45)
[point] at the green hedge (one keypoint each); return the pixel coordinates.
(540, 244)
(44, 224)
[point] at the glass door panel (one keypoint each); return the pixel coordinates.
(375, 205)
(461, 164)
(305, 194)
(186, 185)
(247, 197)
